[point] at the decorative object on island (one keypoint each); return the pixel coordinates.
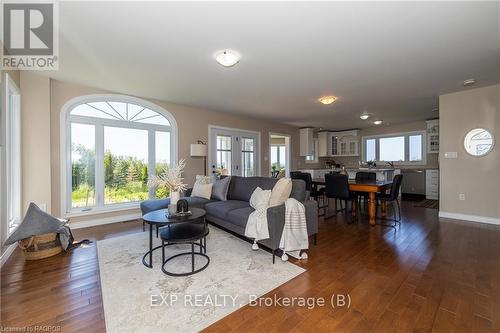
(172, 179)
(199, 149)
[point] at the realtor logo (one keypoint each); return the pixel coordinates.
(30, 39)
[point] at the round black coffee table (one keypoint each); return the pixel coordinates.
(160, 218)
(185, 233)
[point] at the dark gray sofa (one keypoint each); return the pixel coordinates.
(232, 214)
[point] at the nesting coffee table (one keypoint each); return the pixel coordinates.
(160, 218)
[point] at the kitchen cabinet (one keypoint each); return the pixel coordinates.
(345, 143)
(433, 136)
(432, 184)
(324, 144)
(306, 141)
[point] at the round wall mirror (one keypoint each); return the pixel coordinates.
(478, 142)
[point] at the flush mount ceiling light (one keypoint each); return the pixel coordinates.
(377, 122)
(364, 116)
(469, 82)
(227, 58)
(327, 100)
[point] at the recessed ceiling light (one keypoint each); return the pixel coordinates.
(469, 82)
(377, 122)
(364, 116)
(327, 100)
(227, 58)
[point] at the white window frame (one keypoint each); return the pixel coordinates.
(406, 135)
(65, 150)
(10, 167)
(315, 157)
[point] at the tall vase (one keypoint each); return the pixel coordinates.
(174, 197)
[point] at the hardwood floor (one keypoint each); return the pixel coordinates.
(428, 275)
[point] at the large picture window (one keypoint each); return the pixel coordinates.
(401, 148)
(115, 143)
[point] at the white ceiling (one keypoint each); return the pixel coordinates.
(389, 59)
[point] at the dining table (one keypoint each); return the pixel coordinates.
(370, 187)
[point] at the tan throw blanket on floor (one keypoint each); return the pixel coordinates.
(294, 237)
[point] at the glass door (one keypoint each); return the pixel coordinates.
(233, 152)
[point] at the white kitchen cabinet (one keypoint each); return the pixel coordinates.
(344, 143)
(306, 141)
(432, 184)
(433, 136)
(324, 144)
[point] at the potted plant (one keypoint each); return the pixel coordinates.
(171, 179)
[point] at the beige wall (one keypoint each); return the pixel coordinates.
(35, 128)
(352, 162)
(477, 178)
(192, 125)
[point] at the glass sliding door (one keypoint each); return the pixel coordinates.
(248, 157)
(224, 155)
(234, 152)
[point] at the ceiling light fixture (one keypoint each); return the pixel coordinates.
(227, 58)
(377, 122)
(364, 116)
(327, 100)
(469, 82)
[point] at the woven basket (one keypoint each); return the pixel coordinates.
(41, 246)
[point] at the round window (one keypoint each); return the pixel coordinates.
(478, 142)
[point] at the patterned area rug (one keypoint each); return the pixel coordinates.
(139, 299)
(427, 203)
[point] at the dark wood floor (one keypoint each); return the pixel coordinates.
(429, 275)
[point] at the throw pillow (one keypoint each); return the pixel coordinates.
(202, 179)
(220, 188)
(202, 190)
(260, 198)
(281, 192)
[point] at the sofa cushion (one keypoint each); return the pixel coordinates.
(239, 216)
(220, 209)
(241, 188)
(151, 205)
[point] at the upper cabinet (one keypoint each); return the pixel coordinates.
(433, 136)
(344, 143)
(324, 144)
(306, 141)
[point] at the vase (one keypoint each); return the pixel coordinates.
(174, 197)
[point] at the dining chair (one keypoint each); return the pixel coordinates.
(393, 198)
(337, 187)
(314, 192)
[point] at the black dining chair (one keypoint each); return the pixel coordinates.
(337, 187)
(313, 190)
(393, 198)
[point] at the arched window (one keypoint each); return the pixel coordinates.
(113, 144)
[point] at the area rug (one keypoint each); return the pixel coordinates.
(428, 203)
(139, 299)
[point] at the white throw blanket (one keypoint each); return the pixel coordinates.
(294, 237)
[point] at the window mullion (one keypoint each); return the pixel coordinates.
(151, 159)
(99, 165)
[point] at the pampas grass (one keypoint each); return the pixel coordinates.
(172, 178)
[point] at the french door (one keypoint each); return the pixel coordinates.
(234, 152)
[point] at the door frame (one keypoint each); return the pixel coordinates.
(258, 155)
(288, 145)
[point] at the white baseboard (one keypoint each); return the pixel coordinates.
(6, 255)
(106, 220)
(472, 218)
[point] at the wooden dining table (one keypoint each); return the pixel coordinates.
(370, 187)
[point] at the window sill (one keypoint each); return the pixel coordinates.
(97, 211)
